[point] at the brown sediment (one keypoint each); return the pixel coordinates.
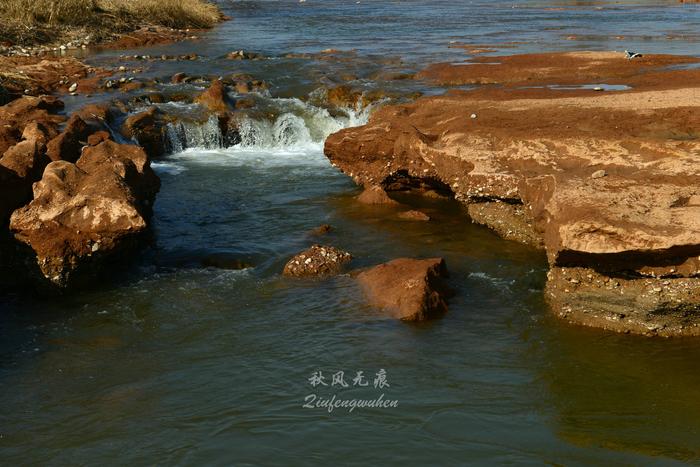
(563, 68)
(47, 75)
(607, 182)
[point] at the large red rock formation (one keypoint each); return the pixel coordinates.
(86, 212)
(607, 182)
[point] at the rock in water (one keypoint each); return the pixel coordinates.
(414, 215)
(145, 129)
(322, 229)
(214, 98)
(20, 113)
(224, 261)
(317, 261)
(20, 166)
(592, 178)
(408, 289)
(375, 195)
(67, 145)
(86, 212)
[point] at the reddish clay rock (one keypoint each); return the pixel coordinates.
(317, 261)
(46, 75)
(68, 144)
(38, 132)
(414, 215)
(407, 289)
(27, 123)
(528, 163)
(20, 166)
(375, 195)
(97, 115)
(130, 163)
(178, 78)
(26, 159)
(19, 113)
(551, 68)
(344, 96)
(98, 137)
(87, 212)
(214, 98)
(512, 221)
(146, 129)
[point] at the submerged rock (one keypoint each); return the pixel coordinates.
(87, 212)
(407, 289)
(344, 96)
(642, 305)
(224, 261)
(317, 261)
(375, 195)
(322, 229)
(244, 55)
(414, 215)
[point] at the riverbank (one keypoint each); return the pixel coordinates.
(39, 26)
(591, 156)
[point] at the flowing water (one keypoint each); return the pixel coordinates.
(176, 363)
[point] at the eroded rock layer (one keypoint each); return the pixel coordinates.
(606, 182)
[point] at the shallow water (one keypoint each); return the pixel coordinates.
(175, 363)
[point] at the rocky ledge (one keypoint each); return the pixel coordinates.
(606, 182)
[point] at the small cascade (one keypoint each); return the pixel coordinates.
(288, 123)
(182, 135)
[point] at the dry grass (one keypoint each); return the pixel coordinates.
(37, 20)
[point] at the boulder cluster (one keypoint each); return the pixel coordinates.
(70, 193)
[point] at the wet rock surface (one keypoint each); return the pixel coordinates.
(317, 261)
(146, 129)
(83, 213)
(68, 144)
(375, 195)
(606, 181)
(214, 98)
(407, 289)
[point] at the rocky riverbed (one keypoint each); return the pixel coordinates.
(589, 156)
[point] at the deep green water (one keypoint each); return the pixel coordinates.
(174, 363)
